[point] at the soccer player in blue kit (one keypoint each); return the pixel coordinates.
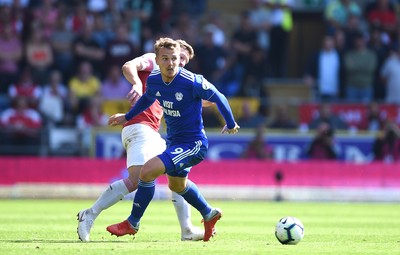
(180, 93)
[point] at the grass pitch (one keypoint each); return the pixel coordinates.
(49, 227)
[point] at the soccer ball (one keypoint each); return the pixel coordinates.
(289, 230)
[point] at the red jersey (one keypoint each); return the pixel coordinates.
(152, 115)
(27, 118)
(28, 90)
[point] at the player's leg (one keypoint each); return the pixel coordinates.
(117, 190)
(183, 211)
(114, 193)
(178, 166)
(154, 146)
(193, 196)
(145, 192)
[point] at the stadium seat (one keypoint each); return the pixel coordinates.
(64, 141)
(237, 103)
(111, 107)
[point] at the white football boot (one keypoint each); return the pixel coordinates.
(85, 223)
(192, 234)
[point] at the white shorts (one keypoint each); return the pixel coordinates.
(141, 143)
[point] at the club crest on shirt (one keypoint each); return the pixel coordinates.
(178, 96)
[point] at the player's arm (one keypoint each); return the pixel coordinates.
(222, 103)
(209, 92)
(130, 70)
(142, 104)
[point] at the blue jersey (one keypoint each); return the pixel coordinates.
(181, 100)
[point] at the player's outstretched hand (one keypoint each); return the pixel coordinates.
(133, 96)
(234, 130)
(117, 119)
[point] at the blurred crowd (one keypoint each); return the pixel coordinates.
(60, 60)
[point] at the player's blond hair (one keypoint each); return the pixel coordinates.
(166, 42)
(185, 46)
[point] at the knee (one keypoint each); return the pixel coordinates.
(146, 175)
(176, 187)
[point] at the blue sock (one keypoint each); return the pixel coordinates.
(143, 196)
(193, 196)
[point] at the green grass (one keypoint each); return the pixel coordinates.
(49, 227)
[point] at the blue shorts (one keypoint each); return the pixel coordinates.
(179, 159)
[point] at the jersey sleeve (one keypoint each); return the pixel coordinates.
(203, 88)
(207, 91)
(142, 104)
(148, 62)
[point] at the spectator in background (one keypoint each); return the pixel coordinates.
(322, 146)
(242, 42)
(360, 65)
(9, 17)
(390, 73)
(163, 16)
(10, 55)
(26, 87)
(337, 13)
(250, 118)
(255, 74)
(54, 100)
(339, 37)
(382, 14)
(325, 115)
(80, 18)
(261, 21)
(258, 147)
(46, 14)
(101, 33)
(39, 55)
(386, 146)
(215, 24)
(87, 49)
(210, 58)
(20, 124)
(281, 119)
(324, 71)
(195, 8)
(340, 41)
(185, 26)
(381, 50)
(115, 86)
(61, 41)
(281, 25)
(91, 117)
(138, 14)
(82, 87)
(374, 119)
(113, 14)
(119, 50)
(352, 30)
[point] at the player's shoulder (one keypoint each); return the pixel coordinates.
(190, 76)
(147, 61)
(148, 56)
(154, 75)
(186, 74)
